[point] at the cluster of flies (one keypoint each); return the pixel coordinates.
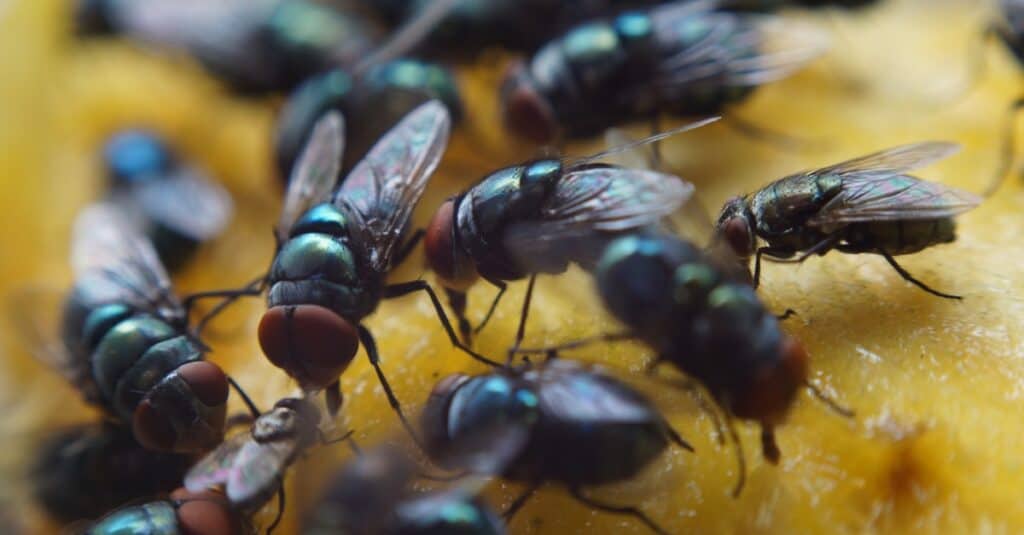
(361, 109)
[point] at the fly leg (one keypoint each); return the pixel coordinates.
(406, 288)
(519, 502)
(255, 412)
(280, 507)
(774, 254)
(702, 403)
(577, 493)
(741, 459)
(910, 278)
(521, 330)
(457, 302)
(407, 247)
(366, 338)
(252, 288)
(575, 344)
(829, 402)
(778, 140)
(501, 286)
(333, 398)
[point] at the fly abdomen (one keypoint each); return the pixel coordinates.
(898, 237)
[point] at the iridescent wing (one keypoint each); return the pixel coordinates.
(216, 468)
(895, 160)
(570, 391)
(186, 202)
(597, 200)
(382, 190)
(875, 190)
(116, 263)
(735, 50)
(259, 470)
(223, 33)
(35, 315)
(315, 173)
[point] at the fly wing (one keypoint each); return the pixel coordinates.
(261, 468)
(35, 314)
(217, 467)
(188, 203)
(875, 190)
(572, 392)
(383, 189)
(736, 50)
(596, 200)
(316, 172)
(895, 160)
(118, 264)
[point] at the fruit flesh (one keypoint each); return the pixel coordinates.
(937, 384)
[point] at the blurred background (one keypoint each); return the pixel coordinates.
(937, 385)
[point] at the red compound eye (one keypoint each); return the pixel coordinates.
(737, 233)
(309, 342)
(204, 513)
(451, 265)
(773, 390)
(153, 420)
(526, 112)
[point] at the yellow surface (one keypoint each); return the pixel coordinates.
(937, 385)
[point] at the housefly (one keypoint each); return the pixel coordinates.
(682, 59)
(546, 201)
(864, 205)
(572, 424)
(698, 313)
(124, 339)
(371, 495)
(176, 204)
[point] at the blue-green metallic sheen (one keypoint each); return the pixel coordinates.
(155, 364)
(317, 256)
(489, 399)
(101, 320)
(629, 68)
(454, 516)
(321, 219)
(154, 518)
(122, 346)
(703, 319)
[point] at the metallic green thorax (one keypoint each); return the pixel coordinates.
(507, 196)
(317, 266)
(782, 210)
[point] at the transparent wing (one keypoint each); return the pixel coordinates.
(598, 200)
(613, 199)
(260, 468)
(572, 392)
(188, 203)
(117, 263)
(216, 467)
(882, 196)
(738, 50)
(35, 314)
(383, 189)
(895, 160)
(874, 188)
(316, 171)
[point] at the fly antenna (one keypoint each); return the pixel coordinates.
(645, 141)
